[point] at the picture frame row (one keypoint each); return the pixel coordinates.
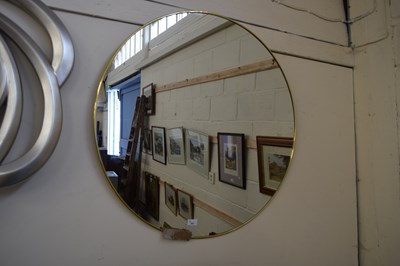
(179, 201)
(191, 147)
(274, 155)
(179, 146)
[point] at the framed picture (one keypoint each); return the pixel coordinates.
(197, 152)
(147, 142)
(231, 159)
(159, 151)
(170, 198)
(185, 204)
(150, 105)
(274, 154)
(175, 146)
(152, 189)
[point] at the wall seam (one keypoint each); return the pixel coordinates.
(95, 16)
(182, 8)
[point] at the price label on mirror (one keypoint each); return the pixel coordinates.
(192, 222)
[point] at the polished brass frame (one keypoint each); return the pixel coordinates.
(100, 88)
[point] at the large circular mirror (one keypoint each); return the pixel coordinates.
(194, 123)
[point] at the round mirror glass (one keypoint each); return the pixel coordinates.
(194, 123)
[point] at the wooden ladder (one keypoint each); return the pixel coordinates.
(133, 157)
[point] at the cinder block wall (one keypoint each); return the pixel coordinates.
(252, 104)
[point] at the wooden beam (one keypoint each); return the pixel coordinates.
(224, 74)
(211, 210)
(217, 213)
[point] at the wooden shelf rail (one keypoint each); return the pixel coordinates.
(213, 211)
(228, 73)
(217, 213)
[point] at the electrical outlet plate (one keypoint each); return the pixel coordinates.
(211, 177)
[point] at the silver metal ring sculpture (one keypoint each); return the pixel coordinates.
(51, 76)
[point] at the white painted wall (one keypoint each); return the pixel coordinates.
(66, 214)
(377, 87)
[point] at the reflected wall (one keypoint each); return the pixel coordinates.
(210, 76)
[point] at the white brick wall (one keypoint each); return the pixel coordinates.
(224, 108)
(201, 108)
(252, 104)
(239, 84)
(267, 80)
(256, 106)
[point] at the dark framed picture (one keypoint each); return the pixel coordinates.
(231, 159)
(150, 105)
(175, 146)
(159, 148)
(152, 188)
(147, 142)
(197, 152)
(185, 204)
(171, 198)
(142, 189)
(274, 154)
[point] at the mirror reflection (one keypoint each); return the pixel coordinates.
(194, 124)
